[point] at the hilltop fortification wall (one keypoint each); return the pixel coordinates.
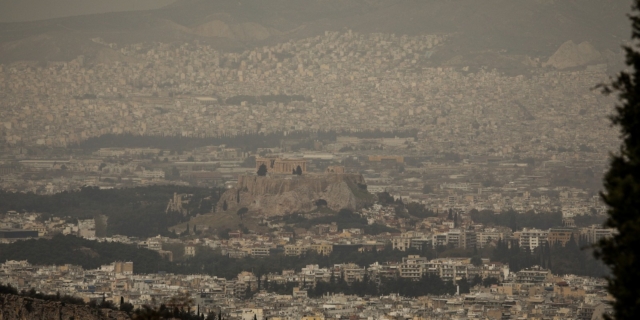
(280, 195)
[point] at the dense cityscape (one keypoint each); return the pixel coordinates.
(340, 175)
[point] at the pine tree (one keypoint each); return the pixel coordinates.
(262, 170)
(464, 285)
(247, 293)
(266, 282)
(622, 187)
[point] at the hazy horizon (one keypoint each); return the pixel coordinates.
(34, 10)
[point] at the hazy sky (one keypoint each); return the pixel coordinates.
(26, 10)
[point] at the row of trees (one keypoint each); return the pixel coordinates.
(249, 141)
(575, 257)
(515, 220)
(91, 254)
(138, 212)
(405, 210)
(62, 250)
(345, 219)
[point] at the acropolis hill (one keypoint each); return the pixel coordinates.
(285, 194)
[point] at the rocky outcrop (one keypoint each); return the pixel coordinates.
(25, 308)
(570, 55)
(286, 194)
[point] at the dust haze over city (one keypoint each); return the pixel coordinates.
(306, 159)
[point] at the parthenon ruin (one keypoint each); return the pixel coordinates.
(278, 165)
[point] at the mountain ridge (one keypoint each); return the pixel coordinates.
(535, 28)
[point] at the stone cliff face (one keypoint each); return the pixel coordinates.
(24, 308)
(280, 195)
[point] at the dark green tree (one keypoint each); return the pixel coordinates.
(241, 212)
(463, 285)
(622, 187)
(262, 170)
(175, 172)
(126, 307)
(248, 294)
(385, 198)
(487, 282)
(298, 171)
(265, 284)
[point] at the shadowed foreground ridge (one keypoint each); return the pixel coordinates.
(26, 308)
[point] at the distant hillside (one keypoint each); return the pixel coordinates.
(482, 27)
(31, 10)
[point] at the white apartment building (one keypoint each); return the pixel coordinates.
(531, 238)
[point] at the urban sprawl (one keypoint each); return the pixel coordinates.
(453, 139)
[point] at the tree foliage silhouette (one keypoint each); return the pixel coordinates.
(262, 170)
(622, 187)
(241, 212)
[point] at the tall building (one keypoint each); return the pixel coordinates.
(468, 239)
(562, 236)
(531, 238)
(87, 228)
(123, 267)
(596, 232)
(413, 267)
